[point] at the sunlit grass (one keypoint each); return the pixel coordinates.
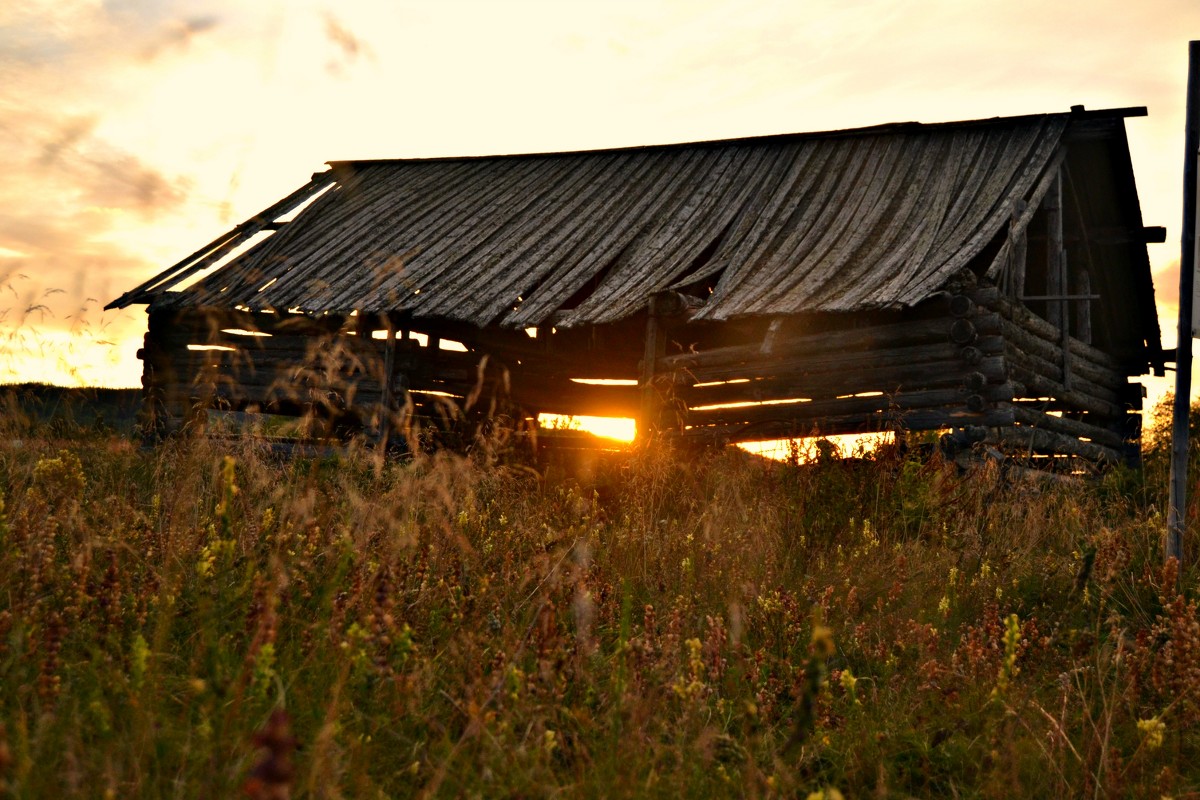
(721, 626)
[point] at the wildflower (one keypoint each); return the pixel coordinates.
(208, 560)
(693, 685)
(849, 682)
(944, 605)
(515, 678)
(138, 656)
(822, 641)
(264, 669)
(1152, 731)
(827, 793)
(60, 477)
(549, 741)
(1008, 668)
(230, 490)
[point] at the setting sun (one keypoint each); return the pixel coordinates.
(621, 429)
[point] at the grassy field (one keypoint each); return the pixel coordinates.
(205, 621)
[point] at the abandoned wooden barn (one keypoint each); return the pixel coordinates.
(985, 278)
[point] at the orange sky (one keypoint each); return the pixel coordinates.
(136, 131)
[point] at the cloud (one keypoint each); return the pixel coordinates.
(67, 137)
(114, 179)
(351, 48)
(178, 35)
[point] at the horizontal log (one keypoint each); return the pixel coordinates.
(1021, 315)
(818, 409)
(889, 378)
(1053, 352)
(203, 370)
(291, 347)
(1047, 369)
(295, 383)
(842, 363)
(295, 390)
(579, 399)
(915, 419)
(203, 325)
(335, 355)
(1030, 384)
(198, 361)
(1040, 440)
(262, 394)
(879, 337)
(1068, 426)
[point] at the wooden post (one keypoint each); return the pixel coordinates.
(1083, 315)
(158, 374)
(1054, 250)
(1177, 504)
(387, 402)
(1065, 317)
(655, 349)
(1020, 253)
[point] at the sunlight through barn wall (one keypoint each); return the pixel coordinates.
(621, 429)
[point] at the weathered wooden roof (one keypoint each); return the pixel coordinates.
(844, 221)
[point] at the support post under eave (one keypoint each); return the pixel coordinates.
(656, 348)
(1177, 505)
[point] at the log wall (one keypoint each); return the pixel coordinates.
(941, 366)
(331, 367)
(972, 360)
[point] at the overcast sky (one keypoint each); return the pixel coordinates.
(135, 131)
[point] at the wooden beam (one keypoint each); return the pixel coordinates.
(1041, 440)
(1052, 204)
(898, 405)
(655, 348)
(1068, 426)
(928, 331)
(834, 425)
(1022, 341)
(1025, 318)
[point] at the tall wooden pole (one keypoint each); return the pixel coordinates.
(1177, 507)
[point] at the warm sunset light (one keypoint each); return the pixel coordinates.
(621, 429)
(288, 289)
(126, 150)
(805, 449)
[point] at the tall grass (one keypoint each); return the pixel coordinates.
(173, 621)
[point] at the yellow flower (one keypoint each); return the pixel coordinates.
(1152, 731)
(848, 682)
(828, 793)
(822, 641)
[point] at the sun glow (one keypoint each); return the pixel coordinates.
(621, 429)
(805, 448)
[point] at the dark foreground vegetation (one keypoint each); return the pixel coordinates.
(203, 620)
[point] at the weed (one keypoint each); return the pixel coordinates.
(457, 627)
